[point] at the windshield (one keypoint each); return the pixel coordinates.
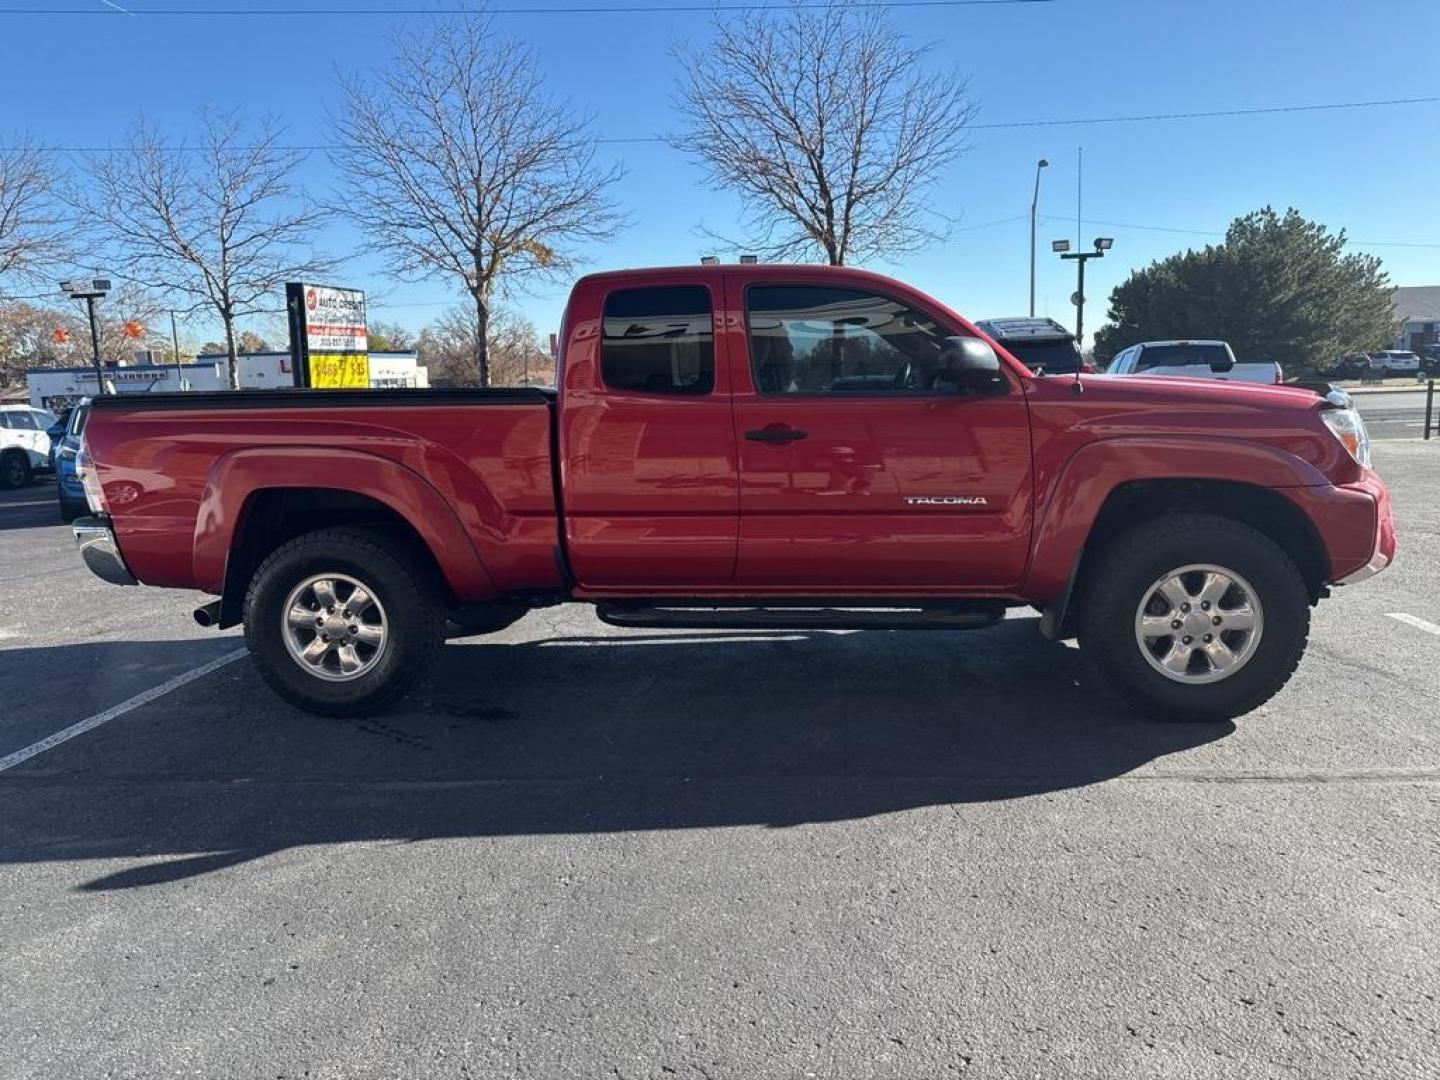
(1056, 357)
(1153, 356)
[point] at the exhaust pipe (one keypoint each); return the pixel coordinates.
(208, 614)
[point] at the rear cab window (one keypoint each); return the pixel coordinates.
(659, 340)
(1183, 355)
(1058, 356)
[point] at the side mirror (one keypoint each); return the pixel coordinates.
(970, 366)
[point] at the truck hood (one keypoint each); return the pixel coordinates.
(1174, 389)
(1197, 411)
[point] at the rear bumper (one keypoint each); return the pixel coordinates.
(100, 551)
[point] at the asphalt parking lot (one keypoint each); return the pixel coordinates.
(592, 853)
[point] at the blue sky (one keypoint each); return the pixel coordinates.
(81, 80)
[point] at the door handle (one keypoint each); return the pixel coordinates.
(776, 434)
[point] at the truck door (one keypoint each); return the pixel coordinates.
(649, 475)
(861, 467)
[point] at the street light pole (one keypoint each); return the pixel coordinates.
(1102, 245)
(90, 291)
(95, 342)
(1034, 205)
(175, 340)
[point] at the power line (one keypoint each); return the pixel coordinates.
(613, 9)
(1220, 235)
(1012, 124)
(1256, 111)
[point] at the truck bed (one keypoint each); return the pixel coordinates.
(475, 467)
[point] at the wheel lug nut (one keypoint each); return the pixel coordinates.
(1186, 640)
(1204, 605)
(1184, 607)
(320, 621)
(1216, 620)
(1175, 625)
(1207, 639)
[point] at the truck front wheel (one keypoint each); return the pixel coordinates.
(1194, 617)
(338, 625)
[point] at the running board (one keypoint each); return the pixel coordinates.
(800, 614)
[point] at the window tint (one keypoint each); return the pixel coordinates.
(76, 425)
(659, 341)
(4, 420)
(23, 420)
(815, 340)
(1183, 356)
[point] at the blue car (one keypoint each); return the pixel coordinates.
(71, 492)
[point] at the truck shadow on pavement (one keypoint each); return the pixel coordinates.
(582, 734)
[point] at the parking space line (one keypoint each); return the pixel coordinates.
(90, 723)
(1411, 620)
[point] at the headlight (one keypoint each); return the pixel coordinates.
(85, 472)
(1349, 428)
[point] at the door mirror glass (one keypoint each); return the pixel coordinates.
(969, 365)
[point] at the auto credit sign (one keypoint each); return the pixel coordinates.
(328, 338)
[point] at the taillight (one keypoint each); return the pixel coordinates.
(90, 480)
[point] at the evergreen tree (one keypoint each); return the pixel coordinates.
(1278, 288)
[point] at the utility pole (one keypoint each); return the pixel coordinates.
(90, 291)
(1062, 247)
(1034, 205)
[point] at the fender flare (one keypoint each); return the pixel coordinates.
(1091, 475)
(236, 476)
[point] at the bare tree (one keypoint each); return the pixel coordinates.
(459, 166)
(35, 230)
(219, 226)
(826, 126)
(517, 358)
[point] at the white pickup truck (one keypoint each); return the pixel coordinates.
(1193, 360)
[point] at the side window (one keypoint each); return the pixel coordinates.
(22, 419)
(808, 339)
(4, 421)
(659, 341)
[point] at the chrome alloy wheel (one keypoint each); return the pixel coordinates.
(334, 627)
(1199, 624)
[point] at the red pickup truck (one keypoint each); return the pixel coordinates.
(751, 446)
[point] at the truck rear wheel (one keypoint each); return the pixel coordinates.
(1194, 617)
(338, 625)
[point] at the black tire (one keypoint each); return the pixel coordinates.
(1121, 575)
(413, 616)
(15, 470)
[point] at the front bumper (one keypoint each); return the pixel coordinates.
(100, 551)
(1383, 552)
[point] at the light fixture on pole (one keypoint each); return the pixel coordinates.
(1062, 248)
(1034, 206)
(90, 291)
